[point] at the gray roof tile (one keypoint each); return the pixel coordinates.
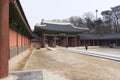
(61, 27)
(98, 36)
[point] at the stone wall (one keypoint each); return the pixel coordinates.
(15, 51)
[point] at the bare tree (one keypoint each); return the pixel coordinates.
(112, 19)
(116, 17)
(76, 21)
(107, 18)
(89, 21)
(88, 15)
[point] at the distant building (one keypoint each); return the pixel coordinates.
(99, 39)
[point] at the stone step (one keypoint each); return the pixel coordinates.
(37, 75)
(28, 75)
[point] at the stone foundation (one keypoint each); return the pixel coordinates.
(15, 51)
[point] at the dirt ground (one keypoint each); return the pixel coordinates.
(74, 66)
(18, 62)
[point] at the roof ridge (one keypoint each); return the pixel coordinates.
(40, 24)
(58, 23)
(79, 27)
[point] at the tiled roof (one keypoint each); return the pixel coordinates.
(62, 27)
(18, 18)
(99, 37)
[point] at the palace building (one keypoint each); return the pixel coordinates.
(67, 35)
(61, 34)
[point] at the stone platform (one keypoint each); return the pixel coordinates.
(28, 75)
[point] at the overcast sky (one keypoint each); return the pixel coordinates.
(35, 10)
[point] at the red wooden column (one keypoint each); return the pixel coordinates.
(43, 38)
(51, 41)
(93, 43)
(97, 43)
(75, 39)
(84, 42)
(116, 42)
(66, 41)
(54, 41)
(4, 37)
(63, 42)
(78, 41)
(88, 42)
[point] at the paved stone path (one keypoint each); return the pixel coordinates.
(102, 54)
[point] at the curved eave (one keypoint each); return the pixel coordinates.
(60, 27)
(19, 17)
(21, 12)
(42, 29)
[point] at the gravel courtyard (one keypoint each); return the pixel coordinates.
(73, 66)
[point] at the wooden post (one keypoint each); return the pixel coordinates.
(54, 42)
(63, 41)
(66, 42)
(4, 37)
(93, 43)
(43, 38)
(116, 42)
(78, 41)
(75, 41)
(89, 43)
